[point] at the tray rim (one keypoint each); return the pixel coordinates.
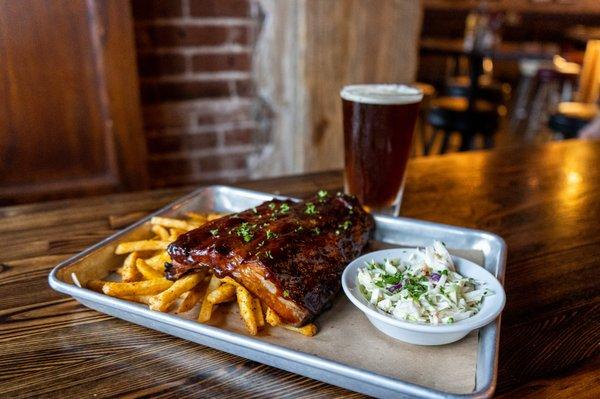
(489, 333)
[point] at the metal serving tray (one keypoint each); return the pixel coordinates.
(397, 231)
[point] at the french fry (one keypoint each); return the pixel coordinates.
(196, 217)
(162, 301)
(246, 304)
(157, 262)
(95, 285)
(147, 287)
(258, 313)
(308, 330)
(207, 307)
(224, 293)
(213, 216)
(174, 233)
(231, 281)
(129, 272)
(174, 223)
(143, 245)
(161, 232)
(192, 297)
(272, 317)
(146, 271)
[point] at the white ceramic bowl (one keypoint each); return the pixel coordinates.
(420, 333)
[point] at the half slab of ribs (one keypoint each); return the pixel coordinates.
(290, 255)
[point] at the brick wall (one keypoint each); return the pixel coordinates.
(201, 114)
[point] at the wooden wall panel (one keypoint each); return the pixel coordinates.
(352, 41)
(69, 107)
(308, 50)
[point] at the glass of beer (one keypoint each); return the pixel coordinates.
(379, 122)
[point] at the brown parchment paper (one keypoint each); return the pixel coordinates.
(345, 336)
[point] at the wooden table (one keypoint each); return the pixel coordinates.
(512, 51)
(544, 201)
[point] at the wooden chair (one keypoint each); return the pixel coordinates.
(571, 117)
(452, 114)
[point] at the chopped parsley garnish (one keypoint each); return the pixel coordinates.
(286, 293)
(245, 231)
(271, 234)
(317, 231)
(310, 209)
(284, 208)
(322, 194)
(214, 232)
(299, 228)
(345, 225)
(272, 205)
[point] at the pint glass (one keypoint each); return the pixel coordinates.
(379, 122)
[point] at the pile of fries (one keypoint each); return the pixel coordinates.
(143, 281)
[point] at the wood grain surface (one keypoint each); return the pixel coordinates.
(70, 121)
(544, 201)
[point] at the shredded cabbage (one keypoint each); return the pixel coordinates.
(424, 289)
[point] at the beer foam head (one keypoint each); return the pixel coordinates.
(381, 94)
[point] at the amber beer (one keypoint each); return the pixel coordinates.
(379, 122)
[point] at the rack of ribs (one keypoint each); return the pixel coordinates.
(288, 254)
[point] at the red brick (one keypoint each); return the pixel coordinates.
(240, 113)
(157, 116)
(160, 64)
(220, 8)
(221, 62)
(244, 88)
(184, 142)
(215, 163)
(191, 35)
(169, 167)
(148, 9)
(239, 137)
(177, 91)
(235, 161)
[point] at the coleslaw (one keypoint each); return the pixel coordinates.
(424, 289)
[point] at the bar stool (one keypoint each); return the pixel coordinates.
(571, 117)
(488, 90)
(452, 114)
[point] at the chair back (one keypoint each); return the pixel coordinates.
(589, 80)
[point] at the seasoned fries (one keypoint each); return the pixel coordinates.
(308, 330)
(146, 271)
(246, 304)
(144, 245)
(207, 306)
(191, 298)
(147, 287)
(258, 313)
(129, 272)
(162, 301)
(224, 293)
(272, 317)
(161, 232)
(142, 280)
(174, 223)
(157, 262)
